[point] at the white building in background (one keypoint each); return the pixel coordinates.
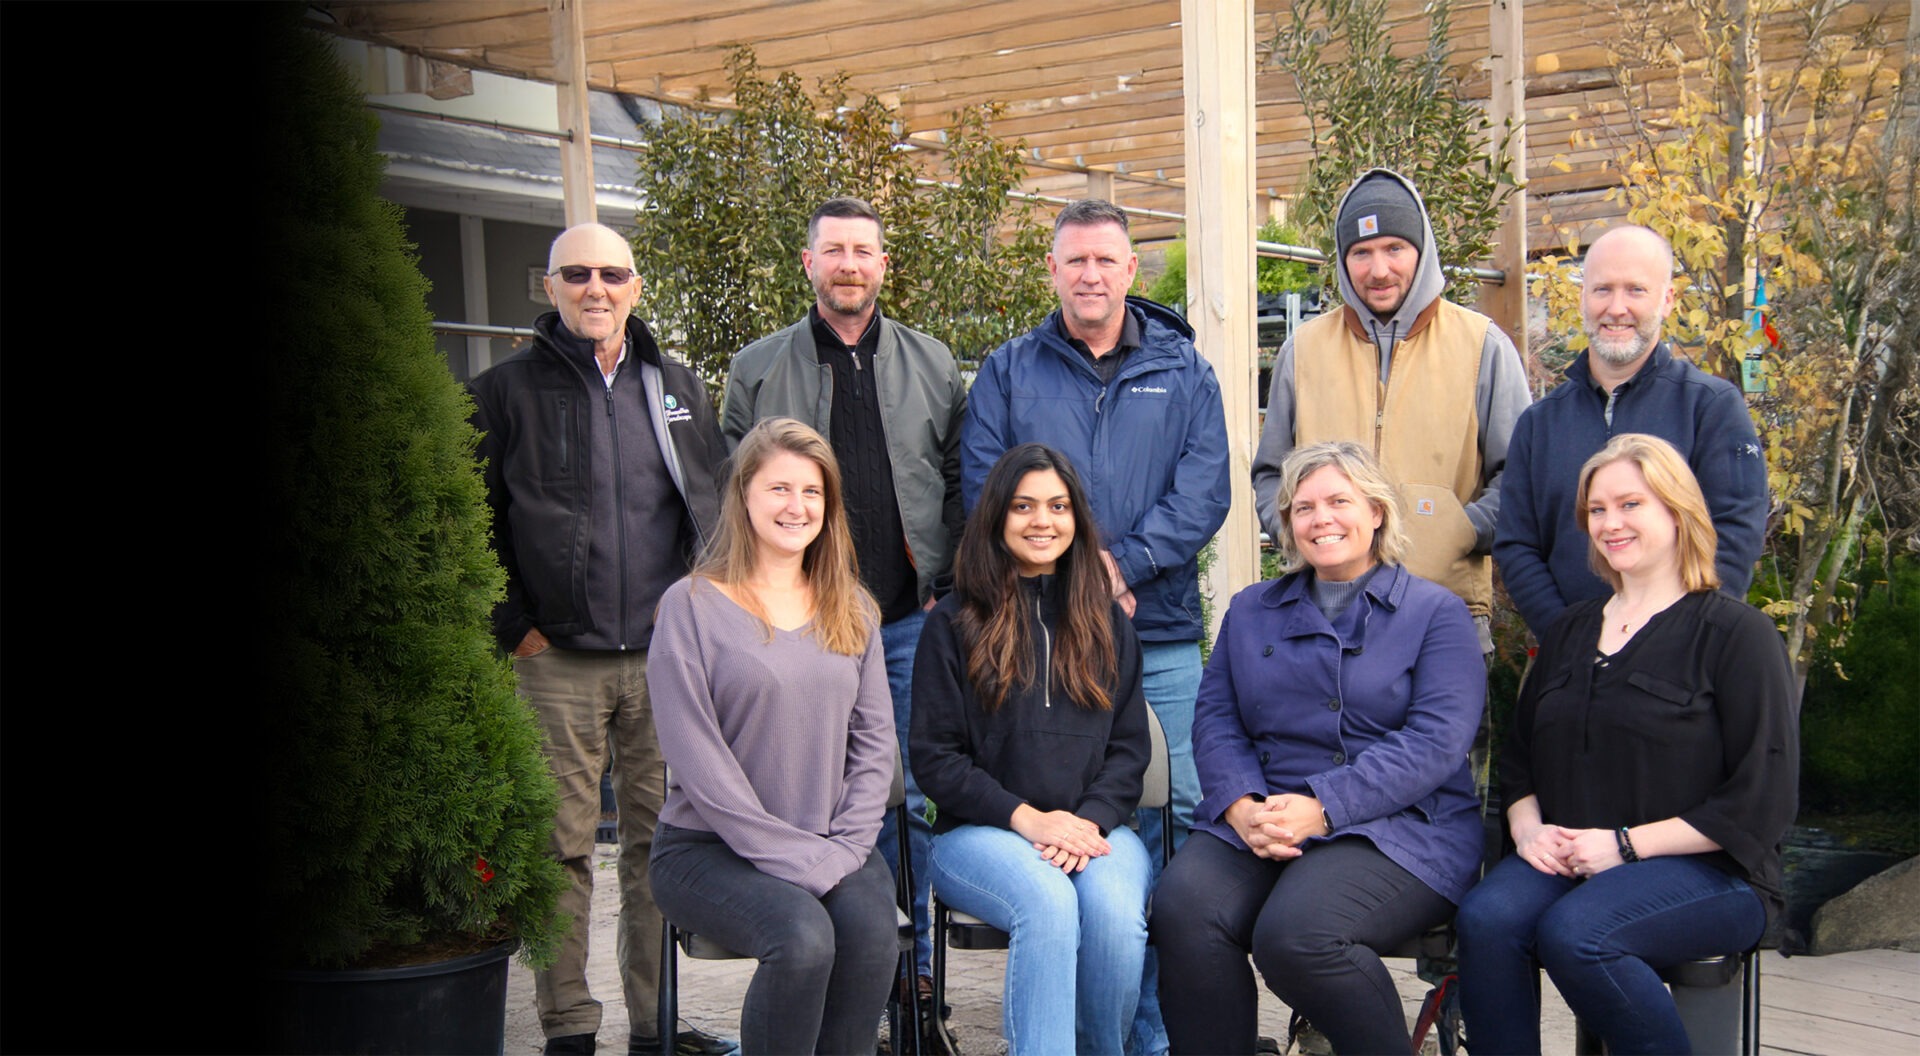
(482, 197)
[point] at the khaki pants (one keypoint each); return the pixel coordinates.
(591, 703)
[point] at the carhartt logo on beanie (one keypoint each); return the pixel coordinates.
(1378, 206)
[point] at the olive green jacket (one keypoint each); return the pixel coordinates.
(922, 405)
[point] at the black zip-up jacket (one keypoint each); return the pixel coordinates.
(1039, 748)
(531, 410)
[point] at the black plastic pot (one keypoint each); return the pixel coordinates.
(448, 1006)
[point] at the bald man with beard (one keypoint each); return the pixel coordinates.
(1629, 381)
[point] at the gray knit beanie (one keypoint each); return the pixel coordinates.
(1378, 206)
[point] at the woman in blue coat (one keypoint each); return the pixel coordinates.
(1337, 815)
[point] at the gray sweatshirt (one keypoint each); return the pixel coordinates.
(783, 749)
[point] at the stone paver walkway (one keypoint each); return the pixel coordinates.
(1865, 1003)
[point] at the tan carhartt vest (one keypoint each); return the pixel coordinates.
(1423, 425)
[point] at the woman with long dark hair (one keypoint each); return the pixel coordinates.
(1652, 771)
(1030, 734)
(771, 702)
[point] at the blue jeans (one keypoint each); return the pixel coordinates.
(1094, 920)
(1170, 679)
(1602, 941)
(900, 639)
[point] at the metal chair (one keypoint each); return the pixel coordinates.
(1719, 1003)
(674, 941)
(967, 932)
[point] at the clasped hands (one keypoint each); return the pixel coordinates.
(1573, 853)
(1277, 826)
(1063, 838)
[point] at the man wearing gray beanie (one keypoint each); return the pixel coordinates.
(1432, 388)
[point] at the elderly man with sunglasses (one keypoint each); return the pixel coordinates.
(600, 457)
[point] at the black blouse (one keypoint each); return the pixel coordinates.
(1693, 718)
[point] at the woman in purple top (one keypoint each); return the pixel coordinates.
(1337, 816)
(771, 702)
(1652, 771)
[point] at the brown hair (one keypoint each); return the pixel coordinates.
(993, 616)
(1673, 483)
(1091, 212)
(846, 209)
(844, 614)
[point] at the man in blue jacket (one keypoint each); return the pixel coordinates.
(1114, 383)
(1629, 381)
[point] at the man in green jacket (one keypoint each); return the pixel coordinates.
(890, 400)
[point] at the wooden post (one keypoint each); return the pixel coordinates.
(473, 285)
(1507, 303)
(1100, 185)
(570, 80)
(1217, 41)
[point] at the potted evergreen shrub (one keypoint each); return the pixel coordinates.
(411, 804)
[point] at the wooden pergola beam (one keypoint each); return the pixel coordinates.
(572, 97)
(1507, 135)
(1217, 44)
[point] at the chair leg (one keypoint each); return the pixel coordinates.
(668, 1013)
(905, 1011)
(903, 888)
(1750, 1003)
(937, 1028)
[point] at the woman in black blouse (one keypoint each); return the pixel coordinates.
(1651, 770)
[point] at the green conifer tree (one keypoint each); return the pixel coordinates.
(410, 798)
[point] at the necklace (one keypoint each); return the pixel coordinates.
(1646, 611)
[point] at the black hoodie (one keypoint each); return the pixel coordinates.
(1039, 747)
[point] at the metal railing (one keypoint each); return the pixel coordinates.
(481, 330)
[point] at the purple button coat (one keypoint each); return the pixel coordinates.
(1374, 718)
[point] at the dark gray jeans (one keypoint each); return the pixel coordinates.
(1312, 924)
(826, 964)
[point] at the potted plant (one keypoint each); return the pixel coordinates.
(411, 804)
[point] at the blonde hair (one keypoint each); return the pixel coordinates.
(1390, 543)
(844, 614)
(1673, 483)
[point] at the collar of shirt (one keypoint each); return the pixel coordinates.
(625, 347)
(826, 339)
(1129, 338)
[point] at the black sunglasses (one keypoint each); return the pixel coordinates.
(580, 275)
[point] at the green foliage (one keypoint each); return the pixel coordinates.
(1271, 275)
(725, 202)
(410, 797)
(955, 275)
(1860, 720)
(1371, 108)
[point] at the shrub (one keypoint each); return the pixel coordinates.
(1860, 720)
(725, 201)
(409, 796)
